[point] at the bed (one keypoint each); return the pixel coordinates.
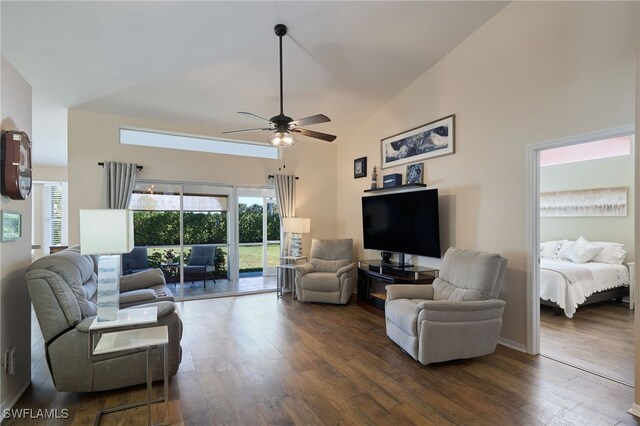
(567, 284)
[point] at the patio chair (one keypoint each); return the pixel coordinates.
(201, 264)
(135, 261)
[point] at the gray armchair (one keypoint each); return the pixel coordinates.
(329, 277)
(458, 317)
(63, 291)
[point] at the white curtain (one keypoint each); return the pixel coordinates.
(286, 198)
(120, 179)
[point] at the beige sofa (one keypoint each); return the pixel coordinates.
(63, 291)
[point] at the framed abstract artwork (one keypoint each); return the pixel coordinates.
(415, 173)
(360, 167)
(427, 141)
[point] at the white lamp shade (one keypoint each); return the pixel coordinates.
(296, 225)
(106, 231)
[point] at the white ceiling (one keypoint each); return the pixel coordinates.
(198, 63)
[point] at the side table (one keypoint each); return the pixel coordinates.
(132, 332)
(285, 274)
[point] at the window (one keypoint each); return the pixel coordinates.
(53, 214)
(197, 143)
(49, 219)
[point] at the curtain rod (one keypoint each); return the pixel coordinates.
(100, 163)
(272, 176)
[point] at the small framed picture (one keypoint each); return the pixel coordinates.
(11, 226)
(360, 167)
(414, 173)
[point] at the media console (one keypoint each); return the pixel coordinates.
(374, 275)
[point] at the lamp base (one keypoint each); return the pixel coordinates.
(108, 287)
(296, 245)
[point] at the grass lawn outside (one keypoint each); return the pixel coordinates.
(251, 257)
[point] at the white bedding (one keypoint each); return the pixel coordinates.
(568, 284)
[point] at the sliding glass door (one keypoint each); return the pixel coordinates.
(186, 231)
(208, 240)
(258, 232)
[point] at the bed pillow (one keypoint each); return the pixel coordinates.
(612, 253)
(582, 251)
(549, 249)
(565, 245)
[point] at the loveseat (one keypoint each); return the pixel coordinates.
(63, 289)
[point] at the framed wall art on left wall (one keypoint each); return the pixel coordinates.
(11, 225)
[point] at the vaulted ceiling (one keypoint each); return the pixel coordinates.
(197, 63)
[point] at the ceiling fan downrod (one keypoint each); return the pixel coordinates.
(281, 31)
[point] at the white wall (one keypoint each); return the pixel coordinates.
(93, 137)
(537, 71)
(15, 256)
(602, 173)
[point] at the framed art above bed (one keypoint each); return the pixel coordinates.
(584, 202)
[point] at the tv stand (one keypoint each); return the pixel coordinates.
(400, 264)
(374, 275)
(395, 265)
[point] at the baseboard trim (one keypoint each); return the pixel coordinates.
(9, 404)
(513, 345)
(634, 410)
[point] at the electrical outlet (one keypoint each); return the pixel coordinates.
(12, 361)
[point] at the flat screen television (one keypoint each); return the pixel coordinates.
(404, 222)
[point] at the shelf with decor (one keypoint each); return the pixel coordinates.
(391, 188)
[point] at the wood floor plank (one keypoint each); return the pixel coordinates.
(598, 338)
(259, 360)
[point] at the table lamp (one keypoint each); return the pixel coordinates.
(296, 226)
(107, 233)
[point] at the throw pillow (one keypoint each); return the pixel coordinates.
(612, 253)
(582, 251)
(565, 245)
(549, 249)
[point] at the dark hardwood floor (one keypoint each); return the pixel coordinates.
(598, 338)
(255, 360)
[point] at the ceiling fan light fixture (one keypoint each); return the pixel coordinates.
(282, 125)
(281, 139)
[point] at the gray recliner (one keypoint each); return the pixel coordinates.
(329, 277)
(457, 317)
(63, 289)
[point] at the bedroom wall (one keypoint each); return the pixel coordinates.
(94, 137)
(535, 72)
(602, 173)
(15, 256)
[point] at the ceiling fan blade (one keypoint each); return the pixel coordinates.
(318, 135)
(254, 115)
(314, 119)
(246, 130)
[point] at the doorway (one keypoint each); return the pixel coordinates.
(559, 337)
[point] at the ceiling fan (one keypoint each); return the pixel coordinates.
(282, 126)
